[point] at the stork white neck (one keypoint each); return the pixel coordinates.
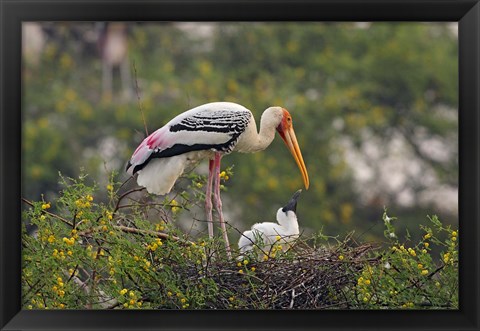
(288, 221)
(253, 141)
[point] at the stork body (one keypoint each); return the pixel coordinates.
(208, 131)
(265, 235)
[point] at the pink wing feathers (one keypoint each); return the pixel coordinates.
(158, 140)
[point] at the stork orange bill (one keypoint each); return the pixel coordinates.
(287, 133)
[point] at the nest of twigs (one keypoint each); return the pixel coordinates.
(310, 278)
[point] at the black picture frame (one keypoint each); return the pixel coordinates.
(14, 12)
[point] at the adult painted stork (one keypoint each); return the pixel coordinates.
(265, 235)
(209, 131)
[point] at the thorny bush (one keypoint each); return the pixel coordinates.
(87, 254)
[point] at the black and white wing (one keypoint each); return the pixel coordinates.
(214, 126)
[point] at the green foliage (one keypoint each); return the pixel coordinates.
(127, 253)
(408, 274)
(377, 81)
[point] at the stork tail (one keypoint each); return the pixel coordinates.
(159, 175)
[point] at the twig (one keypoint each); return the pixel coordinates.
(49, 213)
(140, 107)
(138, 231)
(120, 198)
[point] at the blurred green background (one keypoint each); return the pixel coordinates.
(374, 106)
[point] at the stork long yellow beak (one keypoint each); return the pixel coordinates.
(287, 133)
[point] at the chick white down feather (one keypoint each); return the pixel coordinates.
(265, 235)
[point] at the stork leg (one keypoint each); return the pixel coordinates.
(218, 202)
(208, 199)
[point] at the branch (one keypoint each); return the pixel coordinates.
(139, 231)
(49, 213)
(138, 98)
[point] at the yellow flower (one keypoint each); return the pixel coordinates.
(183, 300)
(46, 206)
(341, 257)
(51, 239)
(412, 252)
(124, 291)
(174, 205)
(427, 236)
(43, 217)
(424, 272)
(360, 281)
(109, 187)
(159, 227)
(131, 294)
(446, 257)
(245, 262)
(169, 294)
(424, 251)
(231, 299)
(239, 264)
(454, 233)
(132, 302)
(420, 266)
(426, 245)
(278, 238)
(68, 241)
(70, 253)
(367, 281)
(454, 238)
(240, 271)
(109, 215)
(253, 269)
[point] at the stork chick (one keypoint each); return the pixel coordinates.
(265, 235)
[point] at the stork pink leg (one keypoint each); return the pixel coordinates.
(208, 199)
(218, 203)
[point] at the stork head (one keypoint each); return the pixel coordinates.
(285, 129)
(292, 204)
(288, 214)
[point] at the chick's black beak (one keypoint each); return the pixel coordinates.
(292, 204)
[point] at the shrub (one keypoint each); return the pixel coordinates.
(123, 251)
